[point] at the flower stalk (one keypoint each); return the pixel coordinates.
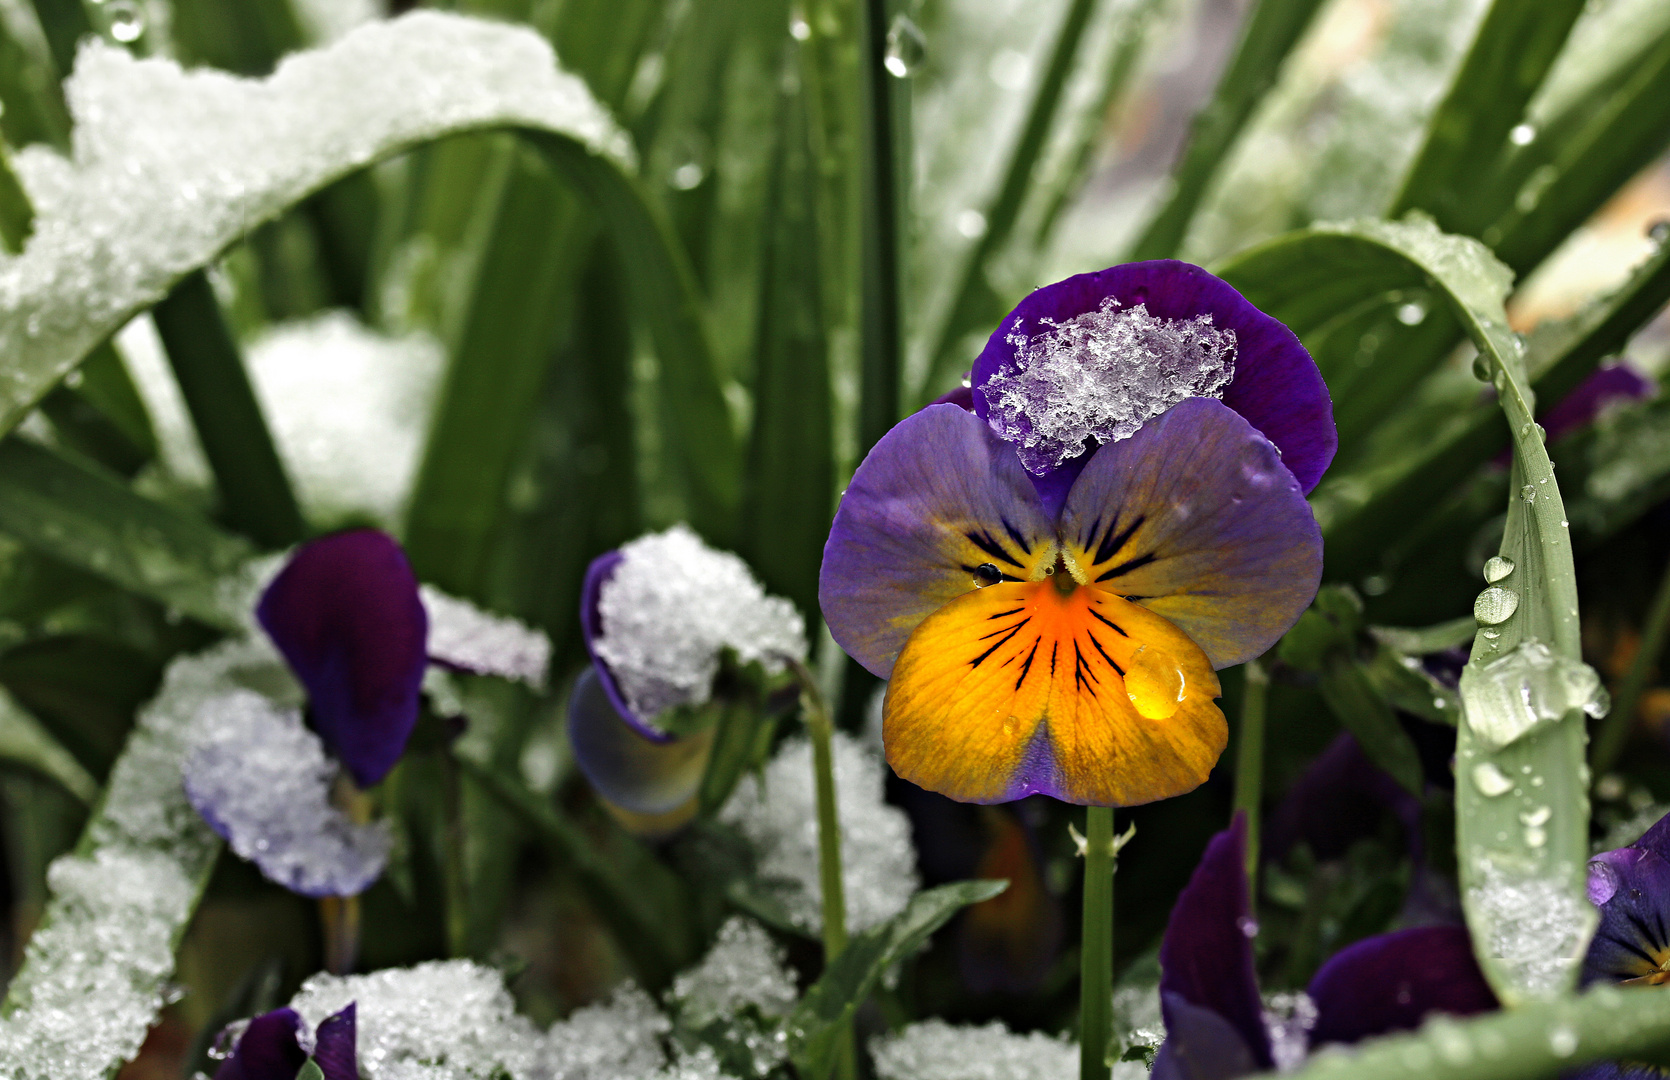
(1096, 955)
(1249, 759)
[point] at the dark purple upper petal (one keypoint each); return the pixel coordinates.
(598, 574)
(1657, 839)
(334, 1045)
(1276, 385)
(346, 616)
(267, 1049)
(1200, 1044)
(1338, 799)
(1206, 955)
(1631, 886)
(1389, 982)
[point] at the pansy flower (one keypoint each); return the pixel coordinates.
(1051, 581)
(672, 627)
(1217, 1025)
(270, 1048)
(357, 633)
(1631, 887)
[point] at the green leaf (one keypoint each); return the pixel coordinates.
(848, 980)
(255, 494)
(1511, 53)
(1353, 699)
(310, 1071)
(885, 165)
(85, 517)
(25, 742)
(519, 297)
(1536, 1041)
(1273, 27)
(790, 479)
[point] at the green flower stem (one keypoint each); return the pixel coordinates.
(1096, 948)
(822, 731)
(340, 916)
(1615, 732)
(1249, 759)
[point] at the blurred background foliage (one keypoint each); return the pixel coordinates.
(856, 192)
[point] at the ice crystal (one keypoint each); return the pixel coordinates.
(777, 814)
(935, 1050)
(1102, 375)
(442, 1020)
(461, 635)
(1537, 926)
(262, 779)
(169, 167)
(744, 967)
(1289, 1018)
(1525, 690)
(672, 604)
(618, 1039)
(95, 974)
(349, 408)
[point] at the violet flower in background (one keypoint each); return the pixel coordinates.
(350, 621)
(1631, 946)
(1216, 1023)
(1609, 385)
(270, 1048)
(662, 617)
(1050, 583)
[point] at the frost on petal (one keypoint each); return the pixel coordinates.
(1101, 375)
(169, 167)
(262, 780)
(776, 812)
(442, 1020)
(464, 637)
(935, 1050)
(668, 609)
(349, 408)
(618, 1038)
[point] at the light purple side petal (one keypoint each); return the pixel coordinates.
(598, 574)
(1206, 955)
(1200, 1045)
(267, 1050)
(1390, 982)
(1197, 519)
(1277, 386)
(346, 616)
(334, 1045)
(642, 775)
(262, 781)
(937, 497)
(1633, 938)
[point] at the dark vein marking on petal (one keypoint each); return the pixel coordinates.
(1116, 627)
(1011, 611)
(1104, 653)
(1054, 645)
(976, 662)
(1000, 629)
(1026, 668)
(1128, 565)
(1111, 544)
(1015, 535)
(991, 547)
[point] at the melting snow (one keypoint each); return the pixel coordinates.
(461, 635)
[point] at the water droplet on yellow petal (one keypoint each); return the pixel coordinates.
(1154, 683)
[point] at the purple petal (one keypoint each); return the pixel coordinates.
(1657, 839)
(1206, 955)
(962, 397)
(267, 1049)
(346, 615)
(1632, 941)
(1196, 519)
(598, 574)
(1617, 1070)
(261, 780)
(1339, 798)
(936, 498)
(643, 776)
(334, 1045)
(1200, 1045)
(1276, 386)
(1602, 387)
(1390, 982)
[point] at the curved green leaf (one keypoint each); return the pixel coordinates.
(25, 742)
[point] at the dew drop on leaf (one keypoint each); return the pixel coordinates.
(1499, 567)
(1495, 605)
(1490, 780)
